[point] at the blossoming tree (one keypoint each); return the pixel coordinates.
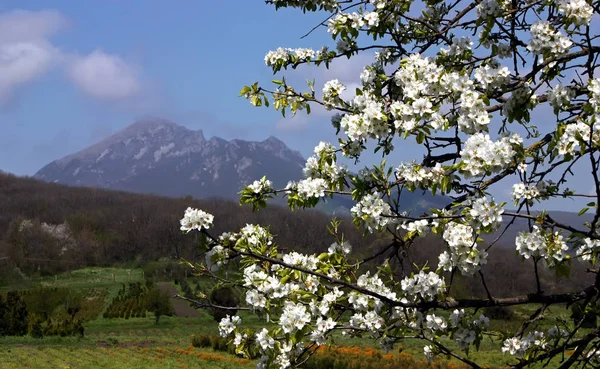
(461, 78)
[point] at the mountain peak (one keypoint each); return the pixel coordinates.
(159, 156)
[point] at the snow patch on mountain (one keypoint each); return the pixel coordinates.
(140, 153)
(163, 150)
(104, 153)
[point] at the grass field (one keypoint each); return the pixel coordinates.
(138, 342)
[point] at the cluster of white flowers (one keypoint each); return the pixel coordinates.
(472, 117)
(336, 248)
(578, 12)
(576, 134)
(294, 317)
(369, 321)
(371, 122)
(588, 249)
(429, 352)
(518, 347)
(261, 186)
(464, 254)
(367, 76)
(286, 55)
(426, 286)
(256, 299)
(418, 77)
(311, 187)
(324, 148)
(560, 96)
(435, 323)
(480, 155)
(216, 257)
(522, 191)
(465, 331)
(264, 286)
(373, 211)
(196, 219)
(228, 325)
(546, 40)
(264, 340)
(352, 20)
(458, 46)
(60, 232)
(557, 333)
(492, 77)
(297, 259)
(322, 307)
(538, 244)
(421, 226)
(332, 91)
(421, 78)
(594, 94)
(368, 308)
(255, 235)
(489, 8)
(322, 326)
(420, 176)
(406, 116)
(373, 284)
(323, 165)
(485, 213)
(384, 56)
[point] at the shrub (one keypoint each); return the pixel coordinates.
(223, 296)
(158, 303)
(201, 340)
(499, 313)
(218, 343)
(35, 327)
(16, 314)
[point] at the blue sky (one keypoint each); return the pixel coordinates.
(92, 68)
(73, 72)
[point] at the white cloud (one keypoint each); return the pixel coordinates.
(23, 25)
(25, 51)
(27, 54)
(105, 76)
(21, 63)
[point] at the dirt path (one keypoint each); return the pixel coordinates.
(182, 308)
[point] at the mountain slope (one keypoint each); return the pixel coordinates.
(161, 157)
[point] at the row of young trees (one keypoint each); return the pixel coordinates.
(136, 299)
(469, 81)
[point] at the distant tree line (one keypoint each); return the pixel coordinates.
(109, 227)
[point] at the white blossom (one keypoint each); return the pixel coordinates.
(546, 40)
(196, 219)
(228, 325)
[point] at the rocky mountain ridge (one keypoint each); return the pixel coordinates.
(161, 157)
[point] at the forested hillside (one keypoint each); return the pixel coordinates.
(49, 228)
(106, 227)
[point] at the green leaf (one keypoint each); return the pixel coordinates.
(245, 90)
(583, 211)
